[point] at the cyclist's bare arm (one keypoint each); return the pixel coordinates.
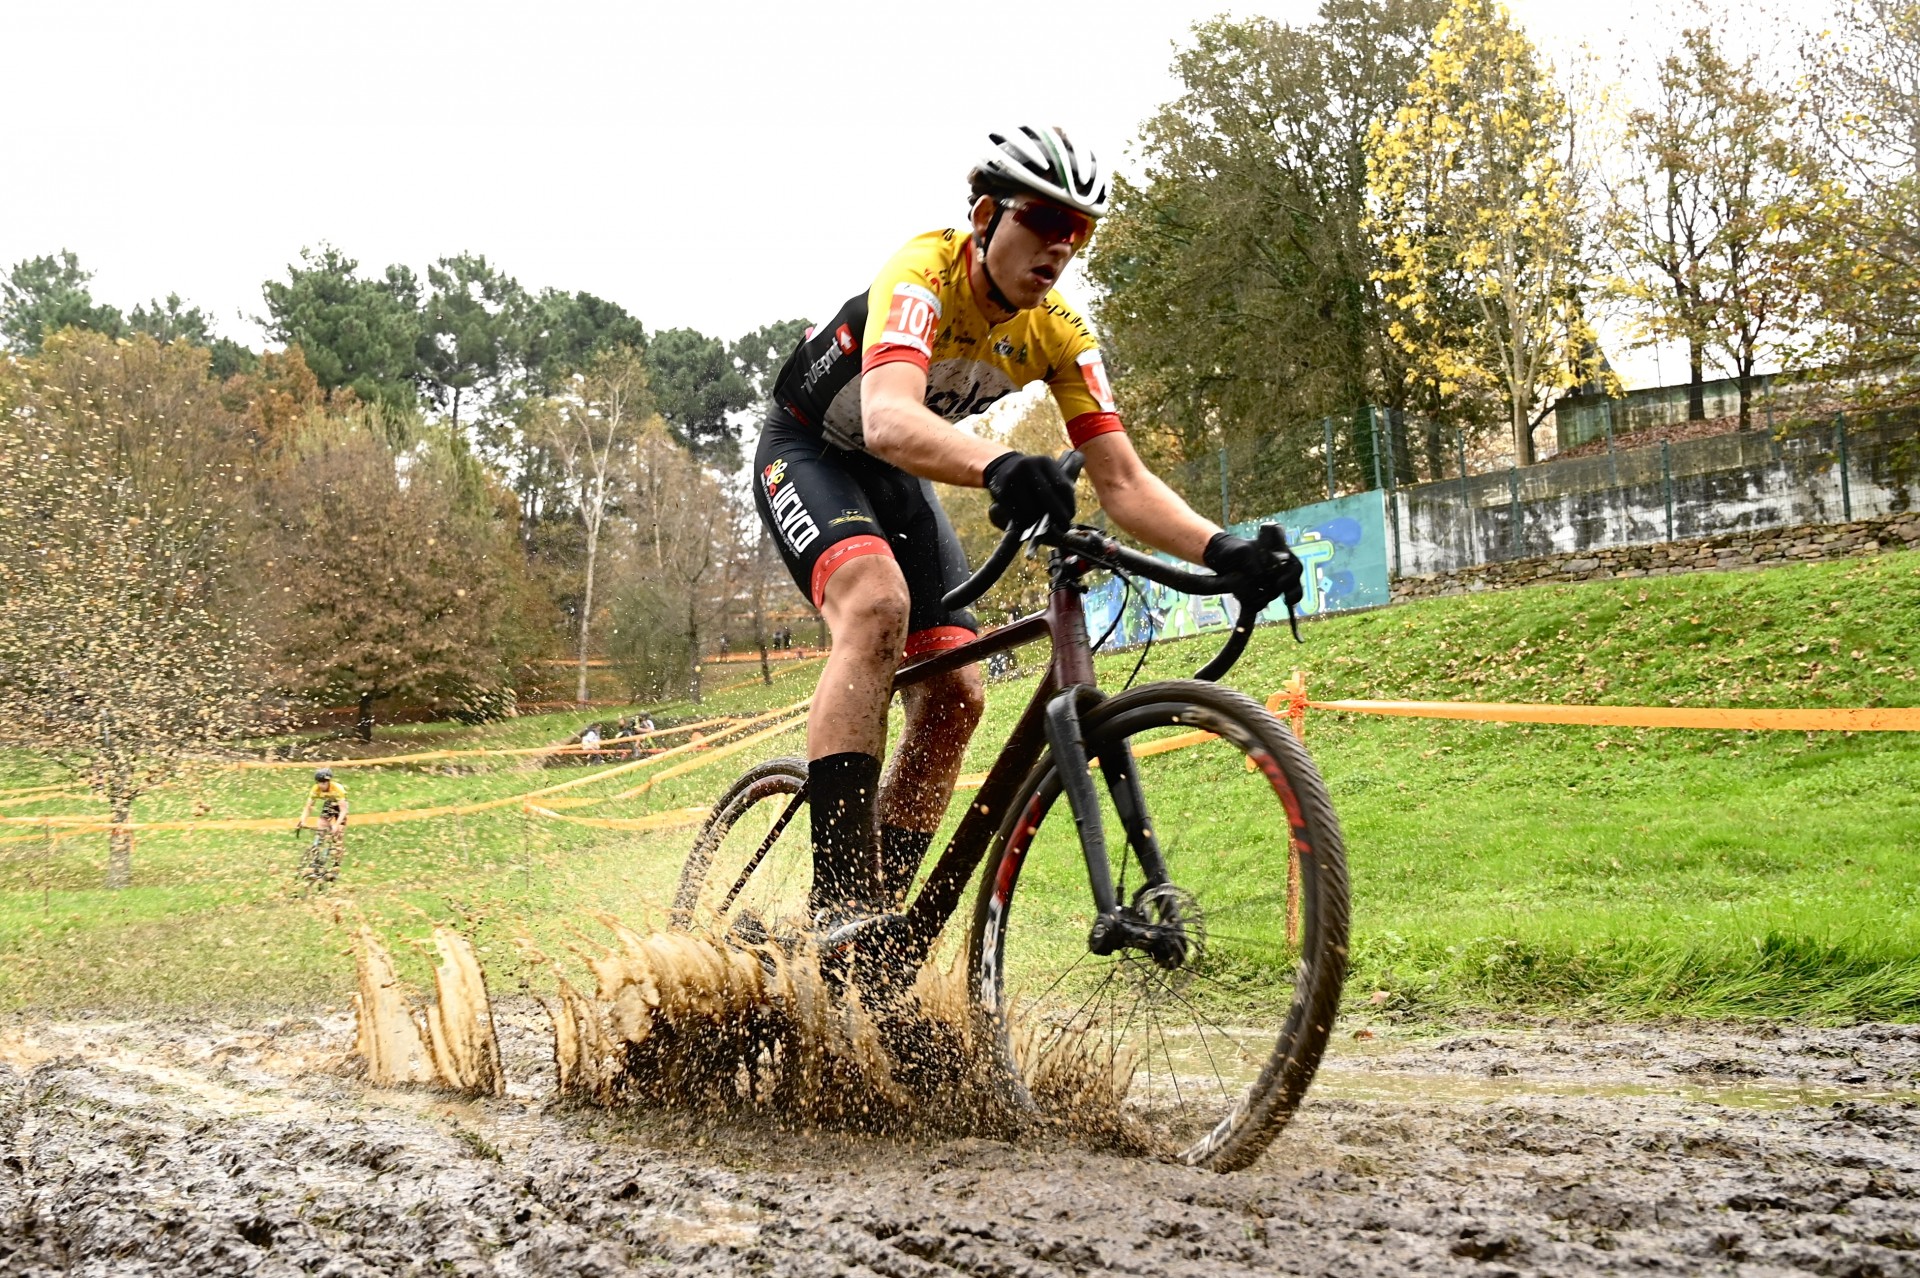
(304, 813)
(900, 429)
(1140, 501)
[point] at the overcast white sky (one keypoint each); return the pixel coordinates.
(719, 165)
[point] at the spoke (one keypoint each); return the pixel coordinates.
(1140, 1000)
(1236, 936)
(1222, 1030)
(1200, 1024)
(1063, 975)
(1118, 1032)
(1172, 1071)
(1068, 1025)
(753, 862)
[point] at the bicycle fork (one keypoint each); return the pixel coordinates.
(1117, 925)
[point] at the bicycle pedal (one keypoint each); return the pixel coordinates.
(836, 929)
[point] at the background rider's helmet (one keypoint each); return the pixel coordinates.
(323, 775)
(1043, 161)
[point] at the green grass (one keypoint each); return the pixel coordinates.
(1616, 871)
(1648, 872)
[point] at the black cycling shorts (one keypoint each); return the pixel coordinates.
(827, 506)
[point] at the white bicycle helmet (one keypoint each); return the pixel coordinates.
(1045, 162)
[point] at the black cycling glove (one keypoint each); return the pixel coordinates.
(1027, 487)
(1274, 574)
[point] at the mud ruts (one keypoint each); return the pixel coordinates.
(168, 1148)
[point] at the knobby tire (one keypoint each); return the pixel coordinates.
(769, 780)
(1236, 1137)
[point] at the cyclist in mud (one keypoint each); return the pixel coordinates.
(331, 797)
(862, 425)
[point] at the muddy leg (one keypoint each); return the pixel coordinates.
(865, 605)
(941, 715)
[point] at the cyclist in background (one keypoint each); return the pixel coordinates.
(862, 423)
(331, 797)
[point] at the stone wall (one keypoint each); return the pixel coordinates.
(1726, 551)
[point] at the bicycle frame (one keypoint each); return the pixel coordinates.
(1048, 715)
(1051, 721)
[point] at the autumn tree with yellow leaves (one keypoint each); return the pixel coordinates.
(119, 500)
(1860, 256)
(389, 567)
(1476, 206)
(1707, 227)
(1238, 305)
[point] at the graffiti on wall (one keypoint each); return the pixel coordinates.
(1342, 546)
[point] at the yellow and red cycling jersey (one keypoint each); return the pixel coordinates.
(921, 308)
(327, 794)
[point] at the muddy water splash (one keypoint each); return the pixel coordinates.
(448, 1043)
(688, 1020)
(386, 1036)
(683, 1019)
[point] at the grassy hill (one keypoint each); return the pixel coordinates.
(1718, 873)
(1620, 871)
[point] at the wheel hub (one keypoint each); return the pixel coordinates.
(1163, 922)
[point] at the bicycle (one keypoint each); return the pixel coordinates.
(1201, 939)
(320, 865)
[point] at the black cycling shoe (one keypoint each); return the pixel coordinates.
(747, 928)
(867, 949)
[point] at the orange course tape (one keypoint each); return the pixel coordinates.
(24, 800)
(413, 814)
(802, 663)
(426, 755)
(64, 832)
(1863, 719)
(1291, 702)
(713, 756)
(42, 789)
(673, 818)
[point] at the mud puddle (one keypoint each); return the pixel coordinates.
(153, 1147)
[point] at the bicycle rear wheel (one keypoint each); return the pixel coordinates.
(752, 862)
(1211, 1046)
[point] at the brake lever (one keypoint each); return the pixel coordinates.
(1273, 537)
(1254, 605)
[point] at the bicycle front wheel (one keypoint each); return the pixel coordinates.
(752, 864)
(313, 867)
(1208, 1040)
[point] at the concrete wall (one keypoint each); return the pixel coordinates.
(1724, 552)
(1737, 482)
(1580, 418)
